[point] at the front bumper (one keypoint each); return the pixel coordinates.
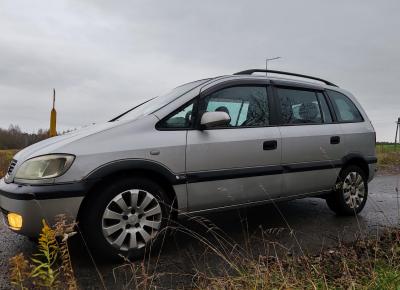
(41, 202)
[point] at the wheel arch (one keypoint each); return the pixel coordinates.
(358, 160)
(113, 171)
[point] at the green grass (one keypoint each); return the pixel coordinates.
(387, 277)
(385, 147)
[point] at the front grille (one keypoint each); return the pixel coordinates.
(11, 167)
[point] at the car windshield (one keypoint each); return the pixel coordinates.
(152, 105)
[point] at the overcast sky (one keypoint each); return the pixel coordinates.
(103, 57)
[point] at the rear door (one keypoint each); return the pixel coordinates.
(358, 133)
(312, 145)
(237, 163)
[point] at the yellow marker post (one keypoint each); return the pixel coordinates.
(53, 117)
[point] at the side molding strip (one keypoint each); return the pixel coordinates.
(212, 175)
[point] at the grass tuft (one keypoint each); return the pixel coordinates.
(348, 266)
(50, 267)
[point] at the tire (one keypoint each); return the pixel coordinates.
(350, 193)
(126, 218)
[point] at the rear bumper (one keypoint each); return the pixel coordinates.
(372, 170)
(37, 203)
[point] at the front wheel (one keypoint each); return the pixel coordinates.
(127, 217)
(350, 193)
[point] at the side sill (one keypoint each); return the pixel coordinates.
(321, 194)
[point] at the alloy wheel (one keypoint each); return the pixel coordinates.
(353, 190)
(131, 219)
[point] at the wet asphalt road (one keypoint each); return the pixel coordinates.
(301, 225)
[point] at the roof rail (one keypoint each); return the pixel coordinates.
(251, 71)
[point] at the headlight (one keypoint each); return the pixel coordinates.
(44, 167)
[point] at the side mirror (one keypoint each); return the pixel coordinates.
(214, 119)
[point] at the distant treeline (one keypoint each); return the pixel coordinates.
(14, 138)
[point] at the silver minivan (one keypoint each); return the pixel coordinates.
(213, 144)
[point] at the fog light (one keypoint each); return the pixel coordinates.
(14, 221)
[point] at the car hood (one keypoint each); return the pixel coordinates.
(50, 145)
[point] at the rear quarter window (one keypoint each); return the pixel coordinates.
(345, 109)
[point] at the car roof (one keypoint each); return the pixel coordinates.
(293, 79)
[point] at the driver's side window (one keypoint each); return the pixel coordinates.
(247, 106)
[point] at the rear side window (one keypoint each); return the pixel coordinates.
(299, 106)
(344, 108)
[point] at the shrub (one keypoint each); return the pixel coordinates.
(50, 267)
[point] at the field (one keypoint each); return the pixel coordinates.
(5, 158)
(388, 158)
(384, 147)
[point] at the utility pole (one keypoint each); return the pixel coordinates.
(53, 117)
(397, 133)
(266, 63)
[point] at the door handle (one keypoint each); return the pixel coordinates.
(270, 145)
(335, 139)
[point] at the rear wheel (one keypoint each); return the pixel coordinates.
(351, 192)
(126, 218)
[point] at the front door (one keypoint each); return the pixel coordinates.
(237, 163)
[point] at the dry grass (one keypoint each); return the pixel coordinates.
(364, 264)
(388, 158)
(367, 263)
(5, 158)
(372, 263)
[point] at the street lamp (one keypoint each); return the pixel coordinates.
(266, 63)
(397, 131)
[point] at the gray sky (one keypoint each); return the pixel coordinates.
(103, 57)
